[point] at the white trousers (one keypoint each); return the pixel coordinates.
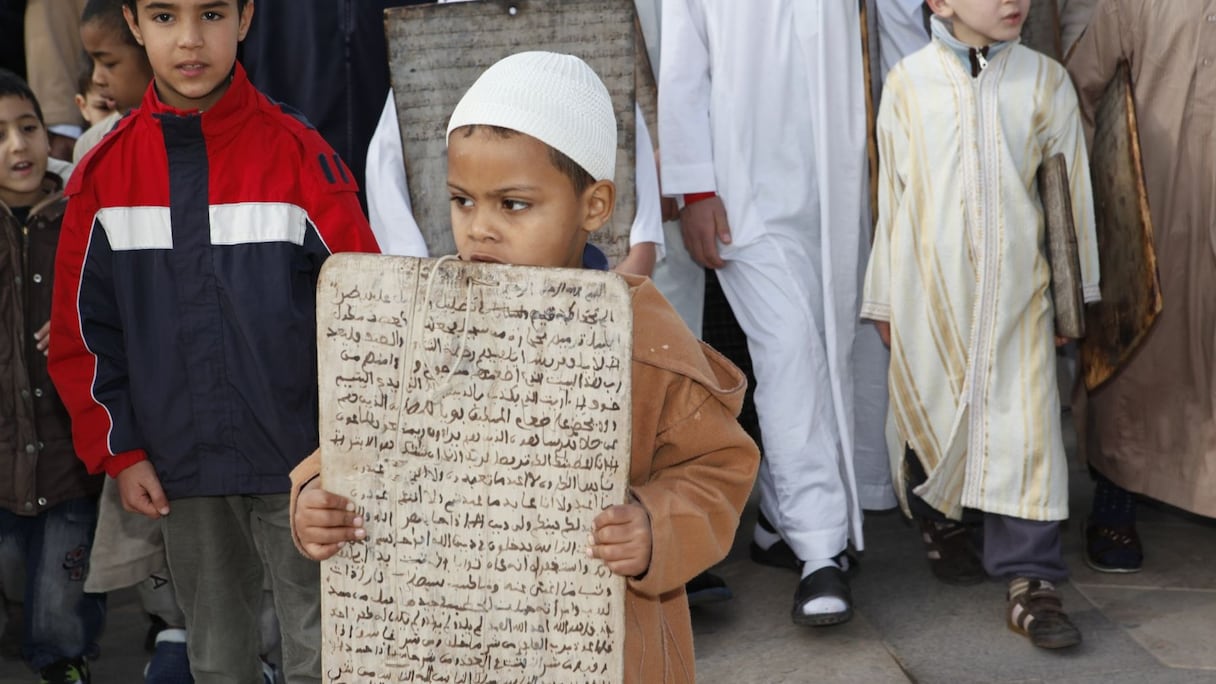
(774, 288)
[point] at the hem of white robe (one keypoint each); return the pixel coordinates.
(1091, 293)
(818, 544)
(875, 311)
(877, 497)
(1049, 514)
(954, 510)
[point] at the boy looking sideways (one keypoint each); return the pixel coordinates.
(531, 153)
(120, 67)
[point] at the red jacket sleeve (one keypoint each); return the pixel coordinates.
(87, 352)
(335, 215)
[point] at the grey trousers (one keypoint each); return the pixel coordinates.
(1013, 547)
(216, 548)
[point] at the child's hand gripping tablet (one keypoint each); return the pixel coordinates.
(622, 539)
(325, 521)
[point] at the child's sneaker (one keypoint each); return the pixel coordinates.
(1036, 611)
(170, 664)
(66, 671)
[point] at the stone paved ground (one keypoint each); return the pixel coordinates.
(1155, 627)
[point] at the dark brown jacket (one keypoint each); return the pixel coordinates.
(38, 467)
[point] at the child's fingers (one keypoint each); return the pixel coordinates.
(141, 504)
(620, 514)
(43, 338)
(317, 498)
(626, 568)
(327, 517)
(612, 552)
(321, 552)
(620, 559)
(615, 534)
(319, 534)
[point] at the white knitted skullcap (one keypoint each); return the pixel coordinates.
(554, 98)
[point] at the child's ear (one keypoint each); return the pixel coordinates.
(941, 8)
(246, 20)
(600, 201)
(132, 23)
(81, 103)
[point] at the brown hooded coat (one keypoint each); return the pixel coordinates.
(692, 469)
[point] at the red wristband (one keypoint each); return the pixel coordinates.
(694, 197)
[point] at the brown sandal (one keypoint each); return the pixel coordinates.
(952, 556)
(1036, 612)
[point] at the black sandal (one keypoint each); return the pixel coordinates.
(779, 555)
(829, 581)
(953, 558)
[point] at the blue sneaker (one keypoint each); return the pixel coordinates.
(269, 675)
(170, 664)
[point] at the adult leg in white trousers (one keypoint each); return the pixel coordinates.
(774, 288)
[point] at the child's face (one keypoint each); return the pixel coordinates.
(93, 106)
(982, 22)
(512, 205)
(120, 69)
(191, 45)
(24, 148)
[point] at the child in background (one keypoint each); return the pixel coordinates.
(92, 104)
(960, 288)
(48, 502)
(543, 123)
(121, 70)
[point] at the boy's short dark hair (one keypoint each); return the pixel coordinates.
(579, 177)
(84, 80)
(12, 85)
(240, 5)
(108, 15)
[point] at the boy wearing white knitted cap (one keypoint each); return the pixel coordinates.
(531, 153)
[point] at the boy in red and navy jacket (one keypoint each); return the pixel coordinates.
(183, 326)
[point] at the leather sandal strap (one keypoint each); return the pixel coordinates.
(827, 581)
(1034, 604)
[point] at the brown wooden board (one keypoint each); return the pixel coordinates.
(1061, 238)
(869, 65)
(437, 51)
(1042, 28)
(478, 416)
(1131, 289)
